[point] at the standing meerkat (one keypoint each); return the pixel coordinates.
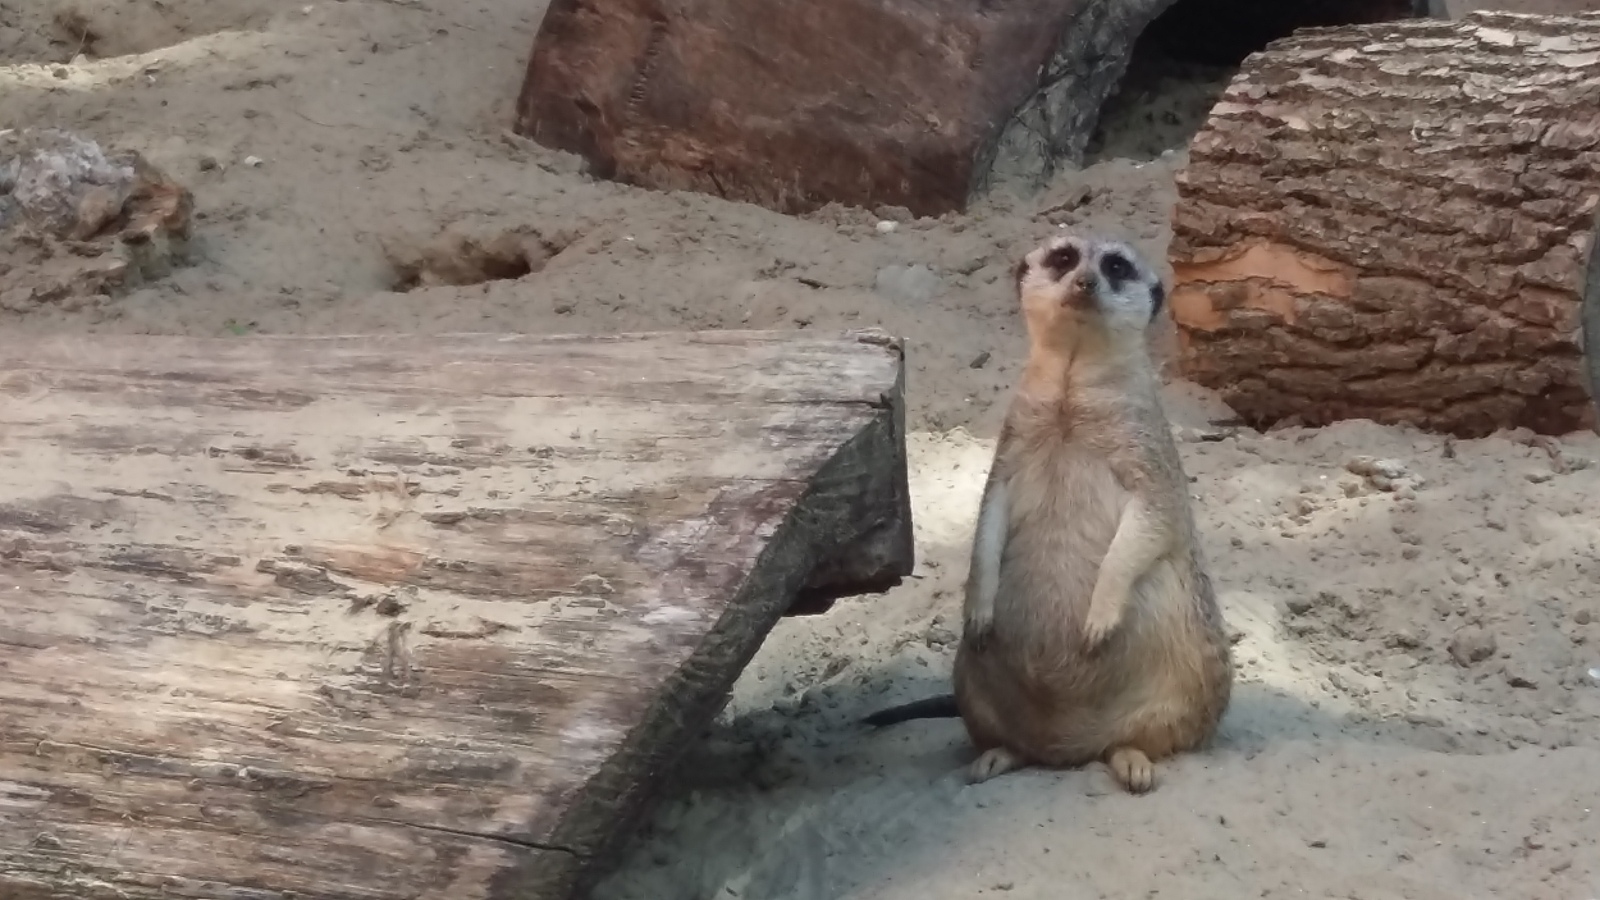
(1091, 627)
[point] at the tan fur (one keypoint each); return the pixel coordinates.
(1092, 629)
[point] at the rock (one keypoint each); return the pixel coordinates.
(1387, 475)
(1470, 645)
(77, 221)
(940, 635)
(793, 104)
(1519, 680)
(1402, 640)
(1299, 604)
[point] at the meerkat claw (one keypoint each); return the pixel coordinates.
(1103, 619)
(1132, 769)
(976, 634)
(993, 762)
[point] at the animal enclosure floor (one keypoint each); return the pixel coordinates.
(1361, 759)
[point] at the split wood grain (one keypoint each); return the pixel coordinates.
(370, 618)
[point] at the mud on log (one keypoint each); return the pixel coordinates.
(400, 617)
(792, 104)
(1393, 221)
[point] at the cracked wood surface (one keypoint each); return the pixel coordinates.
(401, 617)
(1393, 222)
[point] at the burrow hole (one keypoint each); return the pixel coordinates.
(1184, 60)
(463, 256)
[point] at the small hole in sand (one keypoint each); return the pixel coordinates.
(1184, 60)
(454, 257)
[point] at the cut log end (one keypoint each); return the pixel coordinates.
(1361, 235)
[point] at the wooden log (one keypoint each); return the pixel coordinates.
(1392, 222)
(793, 104)
(401, 617)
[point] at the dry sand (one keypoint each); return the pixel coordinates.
(1418, 706)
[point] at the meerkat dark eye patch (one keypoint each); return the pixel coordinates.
(1062, 260)
(1117, 269)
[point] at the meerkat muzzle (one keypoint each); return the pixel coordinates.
(1081, 290)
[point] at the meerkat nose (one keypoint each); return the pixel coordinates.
(1085, 281)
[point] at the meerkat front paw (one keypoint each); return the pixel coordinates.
(1132, 769)
(992, 763)
(1103, 618)
(976, 631)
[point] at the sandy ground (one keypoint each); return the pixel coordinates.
(1419, 694)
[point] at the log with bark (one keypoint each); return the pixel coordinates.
(793, 104)
(1393, 222)
(401, 617)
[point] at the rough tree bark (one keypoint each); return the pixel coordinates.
(1393, 221)
(401, 618)
(792, 104)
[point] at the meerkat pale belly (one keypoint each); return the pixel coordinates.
(1037, 665)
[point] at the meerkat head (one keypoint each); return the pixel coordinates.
(1072, 285)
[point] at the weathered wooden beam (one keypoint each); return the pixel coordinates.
(1393, 222)
(360, 618)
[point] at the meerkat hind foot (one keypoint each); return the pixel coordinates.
(1132, 769)
(992, 762)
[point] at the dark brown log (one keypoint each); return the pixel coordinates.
(1392, 222)
(792, 104)
(401, 617)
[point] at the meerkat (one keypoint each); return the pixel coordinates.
(1091, 628)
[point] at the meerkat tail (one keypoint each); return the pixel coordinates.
(988, 546)
(1142, 537)
(941, 707)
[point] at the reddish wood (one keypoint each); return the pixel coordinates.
(792, 104)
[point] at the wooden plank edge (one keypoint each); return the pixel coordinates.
(832, 518)
(883, 552)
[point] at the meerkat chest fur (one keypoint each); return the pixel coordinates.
(1073, 458)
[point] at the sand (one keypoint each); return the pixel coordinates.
(1419, 691)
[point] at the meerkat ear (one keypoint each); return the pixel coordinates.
(1158, 299)
(1019, 271)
